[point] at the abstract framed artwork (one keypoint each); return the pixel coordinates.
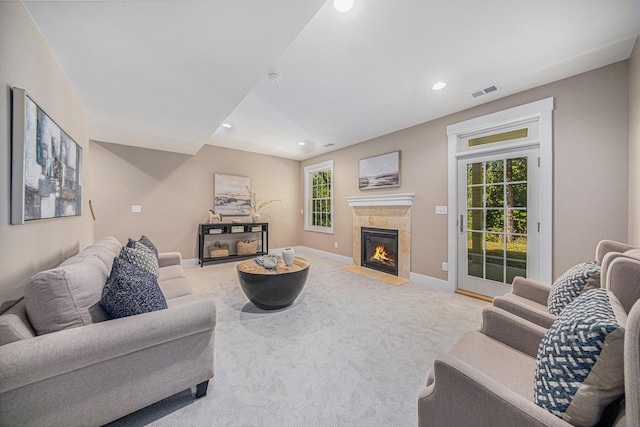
(46, 165)
(232, 195)
(381, 171)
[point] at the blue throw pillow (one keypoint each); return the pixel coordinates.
(573, 282)
(131, 290)
(580, 366)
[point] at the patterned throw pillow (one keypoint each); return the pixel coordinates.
(140, 256)
(131, 290)
(573, 282)
(580, 366)
(146, 242)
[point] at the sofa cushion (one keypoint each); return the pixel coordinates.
(14, 324)
(67, 296)
(131, 290)
(572, 283)
(580, 366)
(174, 288)
(141, 256)
(105, 249)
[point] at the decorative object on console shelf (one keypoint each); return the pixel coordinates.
(287, 255)
(237, 229)
(258, 206)
(247, 247)
(381, 171)
(46, 165)
(232, 195)
(214, 218)
(218, 250)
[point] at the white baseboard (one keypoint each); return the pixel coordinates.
(431, 281)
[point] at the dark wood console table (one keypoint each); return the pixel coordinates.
(231, 233)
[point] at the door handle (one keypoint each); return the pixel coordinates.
(461, 223)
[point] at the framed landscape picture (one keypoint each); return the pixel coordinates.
(381, 171)
(46, 165)
(232, 195)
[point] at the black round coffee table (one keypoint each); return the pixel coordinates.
(272, 289)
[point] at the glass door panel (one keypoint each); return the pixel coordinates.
(497, 213)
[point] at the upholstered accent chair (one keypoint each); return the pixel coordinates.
(528, 298)
(489, 377)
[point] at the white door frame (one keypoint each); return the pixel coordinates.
(540, 110)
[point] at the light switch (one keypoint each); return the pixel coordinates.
(136, 208)
(441, 210)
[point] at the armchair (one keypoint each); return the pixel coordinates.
(487, 378)
(528, 298)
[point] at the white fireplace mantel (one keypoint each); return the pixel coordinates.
(404, 199)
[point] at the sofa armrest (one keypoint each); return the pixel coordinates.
(169, 258)
(483, 401)
(530, 289)
(606, 246)
(512, 330)
(28, 361)
(525, 312)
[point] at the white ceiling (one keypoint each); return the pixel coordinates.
(166, 74)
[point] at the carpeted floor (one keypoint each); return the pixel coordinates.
(351, 351)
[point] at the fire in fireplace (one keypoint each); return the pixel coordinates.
(379, 249)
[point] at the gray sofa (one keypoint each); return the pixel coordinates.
(94, 370)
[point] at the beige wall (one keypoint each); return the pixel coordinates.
(27, 62)
(591, 141)
(175, 192)
(634, 146)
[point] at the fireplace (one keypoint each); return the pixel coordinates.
(379, 249)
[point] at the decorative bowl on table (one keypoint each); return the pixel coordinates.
(268, 261)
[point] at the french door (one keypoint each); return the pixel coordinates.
(498, 220)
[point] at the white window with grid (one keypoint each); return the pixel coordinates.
(318, 190)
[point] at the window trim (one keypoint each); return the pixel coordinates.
(308, 171)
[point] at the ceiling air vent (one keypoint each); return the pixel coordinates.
(486, 90)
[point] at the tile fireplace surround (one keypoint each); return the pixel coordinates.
(392, 211)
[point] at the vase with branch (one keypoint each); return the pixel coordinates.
(258, 206)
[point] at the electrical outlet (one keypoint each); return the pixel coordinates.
(445, 266)
(336, 244)
(441, 210)
(136, 208)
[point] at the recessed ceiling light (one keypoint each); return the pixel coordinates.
(439, 86)
(226, 125)
(302, 143)
(343, 5)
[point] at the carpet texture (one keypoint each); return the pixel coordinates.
(350, 351)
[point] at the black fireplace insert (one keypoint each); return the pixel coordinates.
(379, 249)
